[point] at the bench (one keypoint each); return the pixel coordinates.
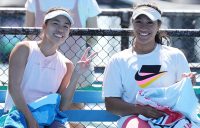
(82, 96)
(87, 97)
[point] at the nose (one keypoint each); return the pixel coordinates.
(60, 28)
(143, 25)
(143, 28)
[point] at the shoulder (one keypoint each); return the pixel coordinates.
(171, 50)
(70, 65)
(65, 60)
(20, 52)
(121, 56)
(22, 46)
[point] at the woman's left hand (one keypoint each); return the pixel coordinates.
(84, 63)
(191, 75)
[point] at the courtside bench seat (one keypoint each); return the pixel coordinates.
(87, 97)
(81, 96)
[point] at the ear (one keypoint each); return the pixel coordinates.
(159, 23)
(44, 25)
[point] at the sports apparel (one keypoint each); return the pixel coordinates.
(128, 72)
(42, 75)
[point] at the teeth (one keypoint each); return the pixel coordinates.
(58, 35)
(144, 34)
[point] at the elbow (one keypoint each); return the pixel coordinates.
(13, 89)
(114, 105)
(65, 106)
(10, 89)
(109, 106)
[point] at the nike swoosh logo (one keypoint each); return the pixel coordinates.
(149, 81)
(138, 77)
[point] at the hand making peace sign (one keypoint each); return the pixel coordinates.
(84, 63)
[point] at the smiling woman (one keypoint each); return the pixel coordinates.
(57, 26)
(147, 64)
(37, 68)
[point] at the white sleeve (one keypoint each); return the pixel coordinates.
(182, 65)
(112, 82)
(30, 5)
(93, 8)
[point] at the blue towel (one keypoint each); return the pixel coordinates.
(15, 119)
(61, 117)
(45, 110)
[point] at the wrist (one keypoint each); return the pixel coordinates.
(77, 71)
(137, 109)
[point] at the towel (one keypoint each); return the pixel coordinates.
(15, 119)
(178, 100)
(45, 110)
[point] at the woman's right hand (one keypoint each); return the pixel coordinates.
(150, 112)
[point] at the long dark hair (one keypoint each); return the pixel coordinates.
(159, 36)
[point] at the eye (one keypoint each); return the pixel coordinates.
(66, 26)
(55, 23)
(150, 22)
(137, 21)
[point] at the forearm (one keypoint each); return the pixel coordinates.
(81, 67)
(19, 101)
(120, 107)
(68, 93)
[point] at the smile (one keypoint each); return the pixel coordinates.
(58, 35)
(144, 34)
